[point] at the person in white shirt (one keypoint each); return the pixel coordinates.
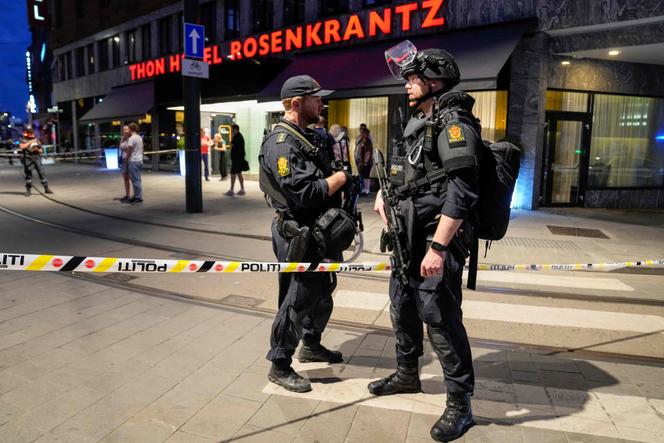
(135, 162)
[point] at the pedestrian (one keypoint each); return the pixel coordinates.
(364, 159)
(206, 142)
(31, 151)
(238, 160)
(220, 147)
(135, 162)
(434, 210)
(340, 147)
(297, 177)
(124, 162)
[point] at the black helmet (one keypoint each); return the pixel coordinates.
(433, 64)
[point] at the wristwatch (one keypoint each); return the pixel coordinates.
(438, 247)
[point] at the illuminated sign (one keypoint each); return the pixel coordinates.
(37, 12)
(378, 23)
(28, 70)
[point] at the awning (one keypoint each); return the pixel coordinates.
(361, 70)
(123, 103)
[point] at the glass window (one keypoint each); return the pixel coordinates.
(350, 113)
(130, 49)
(68, 67)
(146, 44)
(61, 68)
(293, 12)
(80, 62)
(491, 108)
(91, 59)
(263, 12)
(115, 50)
(209, 20)
(566, 101)
(102, 46)
(165, 36)
(627, 142)
(333, 7)
(232, 19)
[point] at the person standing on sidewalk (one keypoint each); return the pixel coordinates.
(296, 175)
(135, 162)
(220, 147)
(124, 166)
(442, 135)
(238, 160)
(31, 150)
(205, 149)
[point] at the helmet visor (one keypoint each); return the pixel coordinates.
(399, 56)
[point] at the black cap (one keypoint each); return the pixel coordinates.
(302, 85)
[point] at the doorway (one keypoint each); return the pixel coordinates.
(566, 157)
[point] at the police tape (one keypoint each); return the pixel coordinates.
(68, 263)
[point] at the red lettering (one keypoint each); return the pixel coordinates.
(207, 55)
(149, 68)
(406, 11)
(236, 50)
(276, 42)
(332, 27)
(353, 28)
(431, 20)
(215, 55)
(159, 66)
(384, 23)
(140, 70)
(174, 63)
(132, 69)
(250, 47)
(294, 39)
(264, 43)
(312, 34)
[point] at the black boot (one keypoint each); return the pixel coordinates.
(405, 381)
(28, 192)
(456, 420)
(318, 353)
(47, 190)
(288, 379)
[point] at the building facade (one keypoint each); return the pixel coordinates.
(578, 85)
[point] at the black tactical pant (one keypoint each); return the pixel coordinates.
(435, 301)
(305, 307)
(33, 161)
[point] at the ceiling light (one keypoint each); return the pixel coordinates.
(565, 62)
(614, 52)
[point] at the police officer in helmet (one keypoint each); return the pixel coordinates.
(297, 177)
(31, 150)
(442, 136)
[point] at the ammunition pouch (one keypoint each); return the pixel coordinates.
(334, 231)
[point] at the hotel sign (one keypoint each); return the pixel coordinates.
(37, 13)
(378, 23)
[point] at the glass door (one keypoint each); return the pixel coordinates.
(565, 168)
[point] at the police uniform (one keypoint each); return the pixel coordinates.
(32, 159)
(436, 301)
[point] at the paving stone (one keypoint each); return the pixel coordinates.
(526, 377)
(378, 425)
(222, 417)
(647, 374)
(10, 433)
(521, 361)
(553, 364)
(32, 394)
(254, 434)
(8, 412)
(652, 390)
(574, 437)
(250, 384)
(329, 423)
(542, 435)
(565, 380)
(494, 433)
(594, 373)
(284, 414)
(185, 437)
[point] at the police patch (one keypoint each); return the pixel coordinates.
(282, 167)
(281, 137)
(455, 136)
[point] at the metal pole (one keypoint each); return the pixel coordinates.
(191, 89)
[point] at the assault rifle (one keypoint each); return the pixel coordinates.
(394, 237)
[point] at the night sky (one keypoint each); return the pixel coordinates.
(14, 39)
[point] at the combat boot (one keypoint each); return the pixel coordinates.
(405, 381)
(47, 190)
(288, 379)
(456, 420)
(318, 353)
(28, 192)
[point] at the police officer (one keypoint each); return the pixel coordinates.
(295, 173)
(31, 150)
(442, 135)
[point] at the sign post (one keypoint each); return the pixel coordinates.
(194, 37)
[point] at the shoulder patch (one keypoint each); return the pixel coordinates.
(283, 168)
(281, 137)
(456, 136)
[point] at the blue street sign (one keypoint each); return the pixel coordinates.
(194, 40)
